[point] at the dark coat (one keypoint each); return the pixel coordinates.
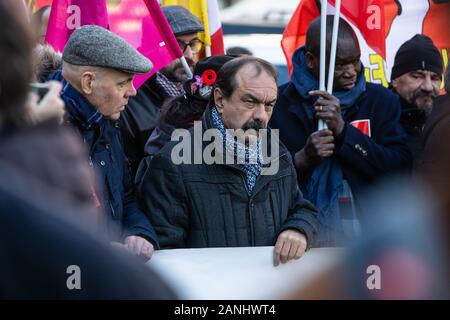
(413, 121)
(104, 142)
(139, 120)
(363, 159)
(41, 235)
(200, 205)
(434, 143)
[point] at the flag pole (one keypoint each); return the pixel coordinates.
(186, 67)
(337, 14)
(208, 51)
(323, 44)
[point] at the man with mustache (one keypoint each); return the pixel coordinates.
(363, 140)
(416, 78)
(235, 203)
(139, 119)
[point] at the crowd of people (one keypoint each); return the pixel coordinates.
(93, 160)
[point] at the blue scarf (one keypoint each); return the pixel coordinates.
(251, 170)
(304, 81)
(326, 182)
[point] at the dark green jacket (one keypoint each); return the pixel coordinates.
(194, 206)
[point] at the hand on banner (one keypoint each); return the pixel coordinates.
(139, 246)
(320, 144)
(328, 109)
(291, 244)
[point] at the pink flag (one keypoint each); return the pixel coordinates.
(68, 15)
(144, 26)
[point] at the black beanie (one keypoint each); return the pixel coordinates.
(418, 53)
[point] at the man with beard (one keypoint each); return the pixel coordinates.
(416, 78)
(139, 119)
(235, 203)
(364, 139)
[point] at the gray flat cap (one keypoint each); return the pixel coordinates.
(181, 21)
(92, 45)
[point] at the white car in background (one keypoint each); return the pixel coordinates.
(265, 46)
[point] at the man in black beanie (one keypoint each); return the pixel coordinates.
(416, 78)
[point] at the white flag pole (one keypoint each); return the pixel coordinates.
(323, 44)
(208, 51)
(186, 67)
(337, 15)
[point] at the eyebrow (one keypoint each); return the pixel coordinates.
(250, 96)
(125, 81)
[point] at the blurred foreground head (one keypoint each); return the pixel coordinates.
(15, 63)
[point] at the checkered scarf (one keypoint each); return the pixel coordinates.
(171, 88)
(252, 153)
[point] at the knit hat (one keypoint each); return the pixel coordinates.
(205, 75)
(418, 53)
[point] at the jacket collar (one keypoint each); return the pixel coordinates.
(79, 108)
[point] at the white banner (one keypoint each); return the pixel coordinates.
(239, 273)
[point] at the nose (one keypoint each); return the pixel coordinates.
(350, 71)
(261, 114)
(427, 84)
(188, 53)
(131, 92)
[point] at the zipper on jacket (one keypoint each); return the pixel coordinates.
(249, 207)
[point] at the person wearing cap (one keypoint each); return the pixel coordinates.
(416, 78)
(98, 70)
(139, 120)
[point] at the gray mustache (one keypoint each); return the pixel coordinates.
(253, 124)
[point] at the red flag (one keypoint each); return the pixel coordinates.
(294, 35)
(143, 24)
(365, 15)
(40, 3)
(68, 15)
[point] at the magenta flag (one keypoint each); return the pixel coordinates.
(68, 15)
(143, 24)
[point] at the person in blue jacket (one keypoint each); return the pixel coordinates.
(98, 70)
(363, 140)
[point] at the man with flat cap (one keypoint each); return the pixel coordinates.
(98, 70)
(139, 119)
(416, 78)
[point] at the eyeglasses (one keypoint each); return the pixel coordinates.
(195, 45)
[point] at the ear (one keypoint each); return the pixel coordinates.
(394, 83)
(86, 85)
(310, 59)
(218, 100)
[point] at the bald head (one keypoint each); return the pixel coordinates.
(348, 54)
(346, 35)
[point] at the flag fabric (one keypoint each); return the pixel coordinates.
(365, 15)
(208, 13)
(143, 24)
(68, 15)
(35, 5)
(40, 3)
(215, 28)
(294, 35)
